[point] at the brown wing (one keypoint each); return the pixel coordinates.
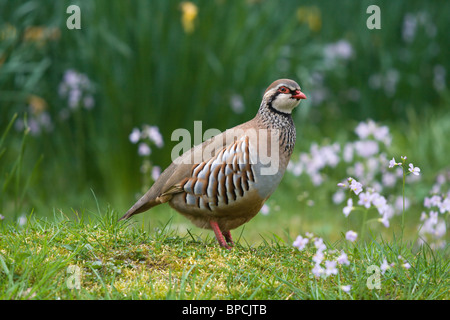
(172, 180)
(221, 180)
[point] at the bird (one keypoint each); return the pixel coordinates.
(223, 182)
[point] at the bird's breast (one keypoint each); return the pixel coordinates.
(246, 170)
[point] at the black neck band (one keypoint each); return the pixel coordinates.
(285, 114)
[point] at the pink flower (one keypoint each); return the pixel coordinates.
(363, 129)
(355, 186)
(317, 270)
(392, 163)
(382, 134)
(385, 220)
(365, 199)
(414, 170)
(384, 266)
(265, 210)
(318, 257)
(349, 207)
(330, 268)
(341, 49)
(378, 201)
(352, 184)
(300, 243)
(135, 135)
(346, 288)
(144, 149)
(338, 197)
(152, 132)
(320, 246)
(388, 179)
(343, 259)
(351, 235)
(434, 201)
(444, 205)
(366, 148)
(347, 154)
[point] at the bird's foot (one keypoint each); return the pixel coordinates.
(219, 235)
(227, 235)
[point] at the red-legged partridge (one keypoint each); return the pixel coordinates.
(223, 182)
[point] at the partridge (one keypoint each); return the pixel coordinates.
(223, 182)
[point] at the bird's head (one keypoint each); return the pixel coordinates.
(283, 95)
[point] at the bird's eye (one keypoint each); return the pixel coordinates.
(283, 90)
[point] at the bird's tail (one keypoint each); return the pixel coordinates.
(142, 205)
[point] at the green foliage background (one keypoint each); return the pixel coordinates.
(147, 69)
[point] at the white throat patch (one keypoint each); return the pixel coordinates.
(284, 103)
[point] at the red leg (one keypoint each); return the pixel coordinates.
(219, 235)
(227, 235)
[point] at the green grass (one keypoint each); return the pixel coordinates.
(148, 70)
(123, 261)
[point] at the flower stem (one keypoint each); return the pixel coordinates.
(403, 196)
(363, 227)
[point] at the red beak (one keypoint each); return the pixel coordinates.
(298, 95)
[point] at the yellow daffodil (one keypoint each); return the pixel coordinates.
(189, 14)
(37, 104)
(40, 35)
(311, 16)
